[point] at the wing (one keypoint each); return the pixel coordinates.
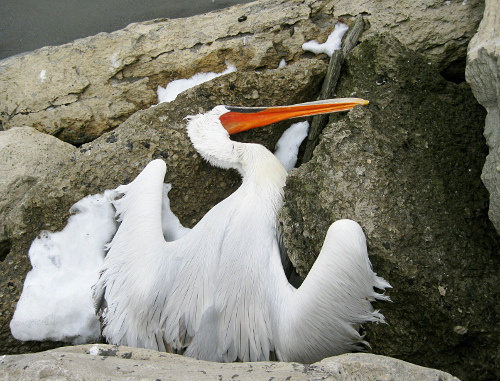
(152, 293)
(321, 316)
(137, 271)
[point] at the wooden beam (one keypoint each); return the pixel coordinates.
(330, 83)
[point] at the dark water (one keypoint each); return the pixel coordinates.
(27, 25)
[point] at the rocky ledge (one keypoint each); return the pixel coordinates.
(99, 362)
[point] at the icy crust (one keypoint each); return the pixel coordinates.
(56, 302)
(334, 41)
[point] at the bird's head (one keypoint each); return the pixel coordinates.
(210, 132)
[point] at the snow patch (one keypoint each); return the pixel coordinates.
(334, 41)
(174, 88)
(94, 351)
(287, 147)
(43, 75)
(56, 302)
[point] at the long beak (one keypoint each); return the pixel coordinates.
(240, 119)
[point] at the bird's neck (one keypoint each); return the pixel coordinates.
(263, 174)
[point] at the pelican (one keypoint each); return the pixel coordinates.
(219, 292)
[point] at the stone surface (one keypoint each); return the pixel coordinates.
(407, 168)
(28, 156)
(483, 74)
(117, 158)
(79, 90)
(440, 30)
(92, 362)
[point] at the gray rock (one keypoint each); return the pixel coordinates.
(117, 158)
(440, 30)
(407, 168)
(27, 157)
(98, 362)
(483, 68)
(79, 90)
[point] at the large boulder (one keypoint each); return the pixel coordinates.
(407, 168)
(28, 156)
(79, 90)
(483, 68)
(117, 158)
(440, 30)
(97, 362)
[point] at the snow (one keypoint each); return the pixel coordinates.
(94, 351)
(43, 75)
(56, 302)
(174, 88)
(282, 64)
(288, 145)
(333, 42)
(115, 62)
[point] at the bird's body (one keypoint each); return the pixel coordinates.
(220, 292)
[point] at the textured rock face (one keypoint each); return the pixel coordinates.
(27, 157)
(107, 77)
(407, 168)
(440, 30)
(483, 68)
(92, 362)
(79, 90)
(117, 157)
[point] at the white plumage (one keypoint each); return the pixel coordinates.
(219, 292)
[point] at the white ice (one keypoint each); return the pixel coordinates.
(174, 88)
(334, 41)
(94, 351)
(56, 303)
(115, 62)
(288, 145)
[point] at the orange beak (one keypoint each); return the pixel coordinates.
(240, 119)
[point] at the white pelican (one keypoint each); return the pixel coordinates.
(219, 292)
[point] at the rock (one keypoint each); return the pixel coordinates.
(118, 156)
(483, 66)
(79, 90)
(440, 30)
(407, 168)
(97, 362)
(28, 156)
